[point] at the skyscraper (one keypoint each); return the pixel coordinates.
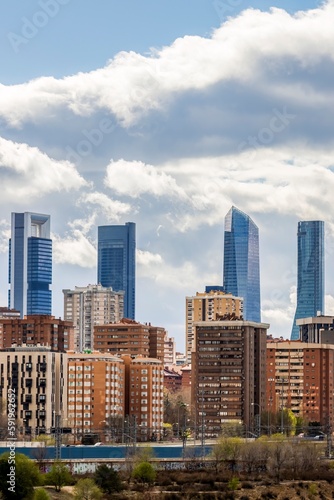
(241, 272)
(30, 264)
(311, 272)
(116, 266)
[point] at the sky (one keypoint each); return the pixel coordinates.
(166, 114)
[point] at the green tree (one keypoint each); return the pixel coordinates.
(144, 472)
(58, 476)
(86, 489)
(23, 475)
(107, 479)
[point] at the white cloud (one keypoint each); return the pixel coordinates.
(75, 249)
(134, 178)
(112, 210)
(243, 49)
(27, 173)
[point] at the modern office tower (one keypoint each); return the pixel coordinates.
(116, 265)
(130, 337)
(89, 306)
(300, 378)
(37, 330)
(38, 379)
(228, 373)
(96, 391)
(241, 273)
(144, 398)
(311, 272)
(30, 264)
(209, 306)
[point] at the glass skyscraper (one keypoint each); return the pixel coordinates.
(311, 272)
(241, 272)
(30, 264)
(116, 265)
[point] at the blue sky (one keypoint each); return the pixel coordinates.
(82, 36)
(166, 114)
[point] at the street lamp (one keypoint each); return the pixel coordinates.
(257, 419)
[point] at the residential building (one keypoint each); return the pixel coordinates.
(37, 330)
(144, 398)
(130, 337)
(209, 306)
(300, 377)
(89, 306)
(318, 330)
(96, 392)
(172, 380)
(170, 350)
(116, 265)
(30, 264)
(241, 269)
(228, 373)
(311, 270)
(37, 377)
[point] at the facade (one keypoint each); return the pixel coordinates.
(228, 373)
(89, 306)
(170, 350)
(116, 265)
(300, 377)
(130, 337)
(30, 264)
(209, 306)
(241, 269)
(38, 378)
(318, 330)
(311, 269)
(96, 391)
(144, 399)
(37, 330)
(172, 380)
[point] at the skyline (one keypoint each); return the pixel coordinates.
(311, 272)
(167, 115)
(241, 274)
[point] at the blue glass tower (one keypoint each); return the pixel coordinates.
(116, 265)
(311, 272)
(241, 271)
(30, 264)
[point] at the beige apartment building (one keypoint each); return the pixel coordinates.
(89, 306)
(96, 394)
(228, 373)
(37, 377)
(209, 306)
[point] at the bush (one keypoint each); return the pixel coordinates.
(26, 477)
(233, 484)
(86, 489)
(107, 479)
(144, 472)
(41, 494)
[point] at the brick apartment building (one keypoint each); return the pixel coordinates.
(228, 373)
(37, 330)
(130, 337)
